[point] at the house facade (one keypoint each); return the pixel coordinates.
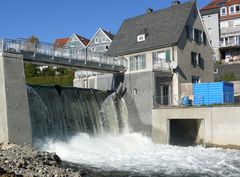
(99, 44)
(101, 41)
(164, 49)
(222, 19)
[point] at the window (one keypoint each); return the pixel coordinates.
(96, 40)
(137, 62)
(195, 57)
(141, 38)
(103, 39)
(223, 24)
(234, 9)
(236, 22)
(106, 47)
(93, 49)
(189, 31)
(195, 79)
(237, 9)
(198, 35)
(161, 56)
(231, 10)
(209, 31)
(215, 71)
(223, 11)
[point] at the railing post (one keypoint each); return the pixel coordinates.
(86, 58)
(1, 45)
(100, 60)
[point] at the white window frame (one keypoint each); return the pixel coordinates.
(141, 38)
(96, 40)
(236, 22)
(138, 62)
(223, 14)
(232, 12)
(103, 40)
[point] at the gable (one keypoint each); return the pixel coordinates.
(77, 41)
(102, 38)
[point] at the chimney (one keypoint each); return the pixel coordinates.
(175, 2)
(149, 10)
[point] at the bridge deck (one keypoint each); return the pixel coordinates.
(48, 54)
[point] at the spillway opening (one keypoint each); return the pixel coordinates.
(186, 132)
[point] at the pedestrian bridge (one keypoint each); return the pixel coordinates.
(48, 54)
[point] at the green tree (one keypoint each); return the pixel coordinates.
(32, 42)
(31, 70)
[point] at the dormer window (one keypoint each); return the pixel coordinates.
(237, 8)
(223, 11)
(231, 10)
(141, 38)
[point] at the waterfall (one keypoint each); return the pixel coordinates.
(59, 112)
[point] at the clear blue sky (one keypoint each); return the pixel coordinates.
(51, 19)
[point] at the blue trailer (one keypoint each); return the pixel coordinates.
(213, 93)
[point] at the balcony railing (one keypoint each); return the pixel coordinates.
(161, 64)
(229, 43)
(19, 45)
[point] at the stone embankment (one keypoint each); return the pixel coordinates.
(23, 161)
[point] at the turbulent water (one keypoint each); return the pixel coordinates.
(89, 129)
(135, 154)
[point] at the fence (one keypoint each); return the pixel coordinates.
(19, 45)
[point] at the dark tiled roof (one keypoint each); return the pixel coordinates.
(59, 43)
(163, 28)
(109, 34)
(84, 40)
(209, 11)
(215, 4)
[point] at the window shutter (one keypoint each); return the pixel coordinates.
(154, 57)
(198, 61)
(193, 58)
(168, 56)
(204, 38)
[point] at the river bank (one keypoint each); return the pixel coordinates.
(23, 161)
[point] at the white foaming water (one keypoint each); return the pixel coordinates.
(136, 153)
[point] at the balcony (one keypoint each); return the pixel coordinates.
(160, 64)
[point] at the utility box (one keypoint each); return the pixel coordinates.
(213, 93)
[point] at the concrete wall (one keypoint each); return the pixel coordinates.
(211, 22)
(139, 102)
(185, 46)
(15, 120)
(220, 124)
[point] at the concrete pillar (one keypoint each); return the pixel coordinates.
(15, 123)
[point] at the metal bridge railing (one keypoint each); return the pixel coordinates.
(19, 45)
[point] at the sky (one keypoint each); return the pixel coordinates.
(51, 19)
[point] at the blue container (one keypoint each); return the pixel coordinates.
(213, 93)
